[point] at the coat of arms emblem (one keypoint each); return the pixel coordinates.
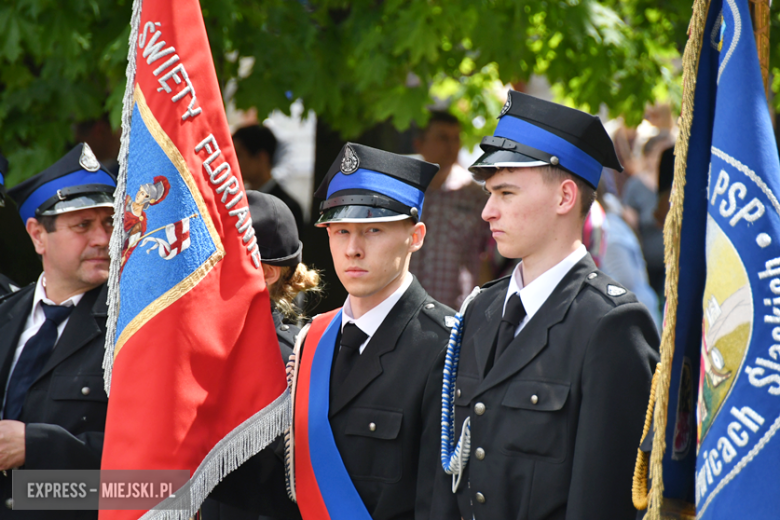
(350, 162)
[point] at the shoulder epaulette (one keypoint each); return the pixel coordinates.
(607, 286)
(438, 312)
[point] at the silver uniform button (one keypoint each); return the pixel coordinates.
(429, 306)
(284, 327)
(457, 392)
(9, 503)
(372, 427)
(85, 390)
(534, 399)
(479, 408)
(479, 454)
(480, 498)
(591, 276)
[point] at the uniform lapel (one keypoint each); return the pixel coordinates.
(533, 338)
(82, 327)
(486, 335)
(11, 328)
(368, 365)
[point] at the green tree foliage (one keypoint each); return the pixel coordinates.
(355, 63)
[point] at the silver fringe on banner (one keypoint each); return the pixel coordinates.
(236, 448)
(117, 238)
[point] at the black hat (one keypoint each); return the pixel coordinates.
(275, 229)
(3, 172)
(534, 132)
(369, 185)
(77, 181)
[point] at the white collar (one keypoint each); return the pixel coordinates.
(370, 321)
(536, 293)
(40, 296)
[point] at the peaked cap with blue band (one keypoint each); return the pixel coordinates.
(534, 132)
(77, 181)
(365, 184)
(3, 172)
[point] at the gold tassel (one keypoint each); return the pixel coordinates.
(639, 491)
(672, 229)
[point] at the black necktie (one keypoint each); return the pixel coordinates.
(351, 339)
(34, 356)
(513, 315)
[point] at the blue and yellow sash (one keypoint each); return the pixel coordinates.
(323, 487)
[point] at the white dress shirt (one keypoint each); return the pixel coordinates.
(370, 321)
(36, 318)
(536, 293)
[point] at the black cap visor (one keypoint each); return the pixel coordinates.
(82, 201)
(359, 214)
(505, 159)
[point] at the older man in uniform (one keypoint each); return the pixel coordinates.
(556, 359)
(52, 333)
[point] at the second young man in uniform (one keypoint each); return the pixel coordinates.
(367, 385)
(556, 360)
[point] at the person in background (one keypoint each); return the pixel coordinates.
(455, 256)
(286, 276)
(639, 200)
(52, 333)
(256, 150)
(623, 259)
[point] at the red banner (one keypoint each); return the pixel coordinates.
(196, 377)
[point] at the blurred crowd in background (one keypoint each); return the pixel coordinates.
(624, 231)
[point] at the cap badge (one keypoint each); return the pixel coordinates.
(88, 161)
(507, 105)
(614, 290)
(350, 162)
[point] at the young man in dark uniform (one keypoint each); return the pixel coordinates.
(52, 333)
(556, 360)
(367, 382)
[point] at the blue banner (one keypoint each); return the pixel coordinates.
(727, 354)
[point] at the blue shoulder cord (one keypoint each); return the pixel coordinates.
(454, 457)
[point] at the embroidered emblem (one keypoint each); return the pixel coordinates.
(177, 234)
(88, 161)
(614, 290)
(350, 162)
(507, 106)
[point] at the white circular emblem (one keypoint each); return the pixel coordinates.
(507, 105)
(88, 161)
(350, 162)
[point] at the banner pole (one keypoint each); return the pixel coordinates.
(759, 12)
